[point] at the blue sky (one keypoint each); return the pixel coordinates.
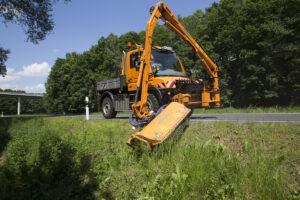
(78, 25)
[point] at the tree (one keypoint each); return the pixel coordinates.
(3, 59)
(257, 43)
(73, 78)
(34, 16)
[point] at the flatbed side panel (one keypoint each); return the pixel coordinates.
(109, 84)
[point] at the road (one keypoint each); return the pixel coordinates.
(272, 117)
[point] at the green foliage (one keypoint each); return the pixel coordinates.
(76, 159)
(257, 43)
(4, 135)
(35, 17)
(39, 164)
(3, 59)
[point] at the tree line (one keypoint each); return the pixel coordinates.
(255, 44)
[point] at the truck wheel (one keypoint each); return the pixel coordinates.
(108, 108)
(152, 102)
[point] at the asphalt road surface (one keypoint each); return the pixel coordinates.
(272, 117)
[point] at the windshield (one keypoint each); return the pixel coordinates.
(167, 63)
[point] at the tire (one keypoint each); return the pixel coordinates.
(152, 102)
(108, 109)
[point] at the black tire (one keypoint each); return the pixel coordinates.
(152, 102)
(108, 109)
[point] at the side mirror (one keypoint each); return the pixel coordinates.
(155, 69)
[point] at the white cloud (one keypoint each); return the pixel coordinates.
(10, 70)
(55, 51)
(18, 80)
(13, 86)
(35, 70)
(39, 88)
(10, 77)
(10, 81)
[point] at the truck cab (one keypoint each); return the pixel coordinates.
(118, 94)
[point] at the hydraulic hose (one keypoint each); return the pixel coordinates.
(143, 122)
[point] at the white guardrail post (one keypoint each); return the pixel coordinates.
(87, 112)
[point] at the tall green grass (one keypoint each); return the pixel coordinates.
(75, 159)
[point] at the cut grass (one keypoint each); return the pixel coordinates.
(78, 159)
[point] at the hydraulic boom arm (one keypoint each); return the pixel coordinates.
(161, 11)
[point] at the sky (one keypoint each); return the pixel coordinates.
(78, 25)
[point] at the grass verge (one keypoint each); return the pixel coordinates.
(74, 159)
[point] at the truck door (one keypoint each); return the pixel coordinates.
(132, 68)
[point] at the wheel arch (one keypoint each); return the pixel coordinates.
(106, 94)
(157, 93)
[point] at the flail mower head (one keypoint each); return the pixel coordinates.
(170, 122)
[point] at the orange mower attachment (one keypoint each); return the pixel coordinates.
(171, 121)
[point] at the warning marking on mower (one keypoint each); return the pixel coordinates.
(162, 119)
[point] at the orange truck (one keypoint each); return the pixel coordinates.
(119, 94)
(154, 85)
